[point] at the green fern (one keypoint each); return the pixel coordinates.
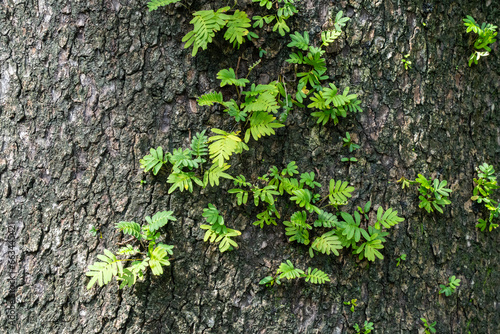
(299, 41)
(339, 192)
(199, 145)
(153, 161)
(261, 124)
(387, 219)
(214, 174)
(325, 219)
(130, 228)
(217, 232)
(183, 181)
(350, 226)
(128, 250)
(224, 145)
(266, 217)
(326, 244)
(155, 4)
(316, 276)
(103, 272)
(209, 99)
(369, 249)
(159, 220)
(206, 23)
(297, 228)
(237, 25)
(182, 158)
(303, 198)
(228, 77)
(288, 271)
(157, 259)
(266, 101)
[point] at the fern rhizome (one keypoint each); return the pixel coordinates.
(258, 110)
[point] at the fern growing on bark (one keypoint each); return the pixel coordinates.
(155, 256)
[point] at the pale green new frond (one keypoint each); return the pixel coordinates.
(130, 228)
(237, 27)
(329, 36)
(224, 145)
(159, 220)
(387, 219)
(103, 272)
(209, 99)
(316, 276)
(158, 258)
(261, 124)
(155, 4)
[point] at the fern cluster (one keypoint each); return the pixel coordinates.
(433, 194)
(187, 164)
(288, 271)
(285, 10)
(330, 104)
(340, 229)
(486, 36)
(485, 184)
(155, 255)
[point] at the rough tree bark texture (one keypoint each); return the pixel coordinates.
(87, 87)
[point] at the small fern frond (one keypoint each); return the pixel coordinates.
(316, 276)
(159, 220)
(199, 145)
(288, 271)
(215, 172)
(153, 161)
(339, 192)
(387, 219)
(103, 272)
(130, 228)
(206, 23)
(224, 145)
(155, 4)
(183, 181)
(326, 244)
(157, 259)
(209, 99)
(237, 25)
(261, 124)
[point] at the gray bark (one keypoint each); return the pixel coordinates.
(87, 87)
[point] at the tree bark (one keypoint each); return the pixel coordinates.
(87, 87)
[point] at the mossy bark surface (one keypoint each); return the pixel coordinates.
(87, 87)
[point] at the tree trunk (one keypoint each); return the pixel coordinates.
(87, 87)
